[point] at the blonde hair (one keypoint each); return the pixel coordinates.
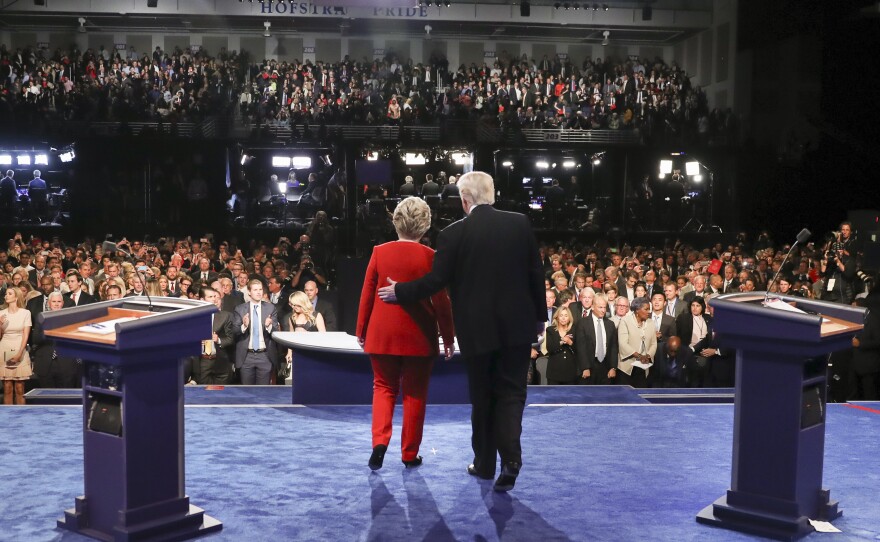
(301, 300)
(412, 218)
(20, 295)
(556, 317)
(477, 187)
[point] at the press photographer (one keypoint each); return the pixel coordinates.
(838, 267)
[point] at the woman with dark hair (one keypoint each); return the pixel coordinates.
(694, 328)
(637, 343)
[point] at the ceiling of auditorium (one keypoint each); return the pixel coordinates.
(30, 21)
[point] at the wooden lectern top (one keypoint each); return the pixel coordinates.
(72, 331)
(830, 325)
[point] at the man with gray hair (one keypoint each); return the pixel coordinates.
(496, 321)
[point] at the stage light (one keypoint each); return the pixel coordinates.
(246, 159)
(692, 168)
(41, 159)
(5, 159)
(665, 167)
(24, 159)
(597, 161)
(327, 161)
(282, 187)
(67, 156)
(542, 165)
(372, 155)
(301, 162)
(507, 163)
(280, 161)
(697, 178)
(568, 164)
(414, 159)
(461, 158)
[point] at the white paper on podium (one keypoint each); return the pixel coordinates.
(824, 526)
(641, 365)
(106, 327)
(783, 306)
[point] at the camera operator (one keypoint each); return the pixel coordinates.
(307, 271)
(838, 267)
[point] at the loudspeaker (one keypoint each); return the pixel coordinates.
(647, 13)
(152, 3)
(525, 9)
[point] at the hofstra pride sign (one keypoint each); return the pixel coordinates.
(362, 9)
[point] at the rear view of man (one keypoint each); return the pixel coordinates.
(496, 321)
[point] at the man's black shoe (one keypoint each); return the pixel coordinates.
(472, 470)
(507, 479)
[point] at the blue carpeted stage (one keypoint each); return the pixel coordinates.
(600, 464)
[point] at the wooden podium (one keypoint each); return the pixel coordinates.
(133, 437)
(779, 412)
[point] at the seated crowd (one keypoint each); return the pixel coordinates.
(102, 85)
(656, 307)
(514, 93)
(640, 316)
(291, 277)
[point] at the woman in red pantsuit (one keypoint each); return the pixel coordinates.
(402, 339)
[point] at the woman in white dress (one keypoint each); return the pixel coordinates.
(15, 327)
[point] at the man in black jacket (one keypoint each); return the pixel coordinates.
(496, 321)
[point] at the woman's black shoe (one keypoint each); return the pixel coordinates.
(413, 462)
(377, 457)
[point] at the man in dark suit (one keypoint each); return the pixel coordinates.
(450, 189)
(496, 321)
(253, 324)
(204, 274)
(408, 188)
(430, 188)
(213, 365)
(77, 295)
(41, 303)
(671, 365)
(674, 305)
(230, 297)
(52, 370)
(321, 306)
(699, 290)
(663, 323)
(597, 359)
(731, 283)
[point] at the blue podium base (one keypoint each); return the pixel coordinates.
(192, 524)
(761, 522)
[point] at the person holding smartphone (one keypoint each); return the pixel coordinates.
(562, 366)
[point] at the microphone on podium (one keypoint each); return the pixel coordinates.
(801, 238)
(110, 246)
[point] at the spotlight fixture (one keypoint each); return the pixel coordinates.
(5, 159)
(507, 163)
(595, 7)
(576, 6)
(542, 165)
(82, 24)
(414, 159)
(557, 5)
(597, 158)
(665, 167)
(67, 156)
(246, 159)
(605, 7)
(568, 164)
(282, 187)
(24, 159)
(567, 6)
(268, 25)
(41, 159)
(447, 3)
(605, 34)
(281, 161)
(692, 168)
(301, 162)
